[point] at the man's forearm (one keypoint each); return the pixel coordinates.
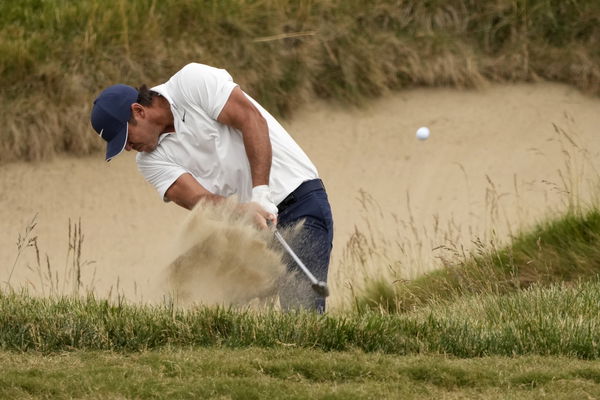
(193, 200)
(186, 192)
(258, 149)
(241, 114)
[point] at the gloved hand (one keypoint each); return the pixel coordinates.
(262, 195)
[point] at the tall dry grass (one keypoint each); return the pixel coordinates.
(46, 278)
(56, 55)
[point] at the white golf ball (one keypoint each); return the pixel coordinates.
(423, 133)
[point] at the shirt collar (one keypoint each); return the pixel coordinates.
(162, 90)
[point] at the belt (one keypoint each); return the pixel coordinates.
(304, 188)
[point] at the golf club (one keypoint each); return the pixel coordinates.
(319, 287)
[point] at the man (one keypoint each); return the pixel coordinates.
(200, 137)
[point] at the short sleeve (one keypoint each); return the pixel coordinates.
(206, 86)
(158, 172)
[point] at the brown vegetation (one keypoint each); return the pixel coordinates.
(55, 56)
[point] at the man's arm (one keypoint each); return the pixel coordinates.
(240, 113)
(186, 192)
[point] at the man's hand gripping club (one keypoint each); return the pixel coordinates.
(267, 214)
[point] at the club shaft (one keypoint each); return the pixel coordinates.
(296, 258)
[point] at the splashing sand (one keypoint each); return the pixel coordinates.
(223, 259)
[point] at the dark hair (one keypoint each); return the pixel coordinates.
(145, 96)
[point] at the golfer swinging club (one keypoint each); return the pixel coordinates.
(199, 136)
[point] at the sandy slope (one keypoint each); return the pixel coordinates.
(490, 165)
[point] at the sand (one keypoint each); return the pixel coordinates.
(221, 258)
(494, 163)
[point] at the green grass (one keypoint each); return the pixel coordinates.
(559, 320)
(565, 249)
(55, 55)
(290, 374)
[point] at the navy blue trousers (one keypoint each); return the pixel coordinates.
(312, 243)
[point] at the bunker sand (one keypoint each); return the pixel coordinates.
(491, 165)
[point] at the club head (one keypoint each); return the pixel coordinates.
(321, 288)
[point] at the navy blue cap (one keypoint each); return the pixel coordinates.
(110, 114)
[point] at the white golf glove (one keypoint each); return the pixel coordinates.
(262, 195)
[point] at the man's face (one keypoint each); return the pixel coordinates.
(143, 134)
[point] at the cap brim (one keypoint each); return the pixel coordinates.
(117, 144)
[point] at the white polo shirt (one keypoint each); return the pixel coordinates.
(214, 153)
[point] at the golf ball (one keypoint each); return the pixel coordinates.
(423, 133)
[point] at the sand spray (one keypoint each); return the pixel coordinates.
(221, 258)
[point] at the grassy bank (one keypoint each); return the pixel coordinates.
(55, 55)
(290, 374)
(557, 321)
(563, 250)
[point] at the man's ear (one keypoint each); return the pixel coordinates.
(138, 111)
